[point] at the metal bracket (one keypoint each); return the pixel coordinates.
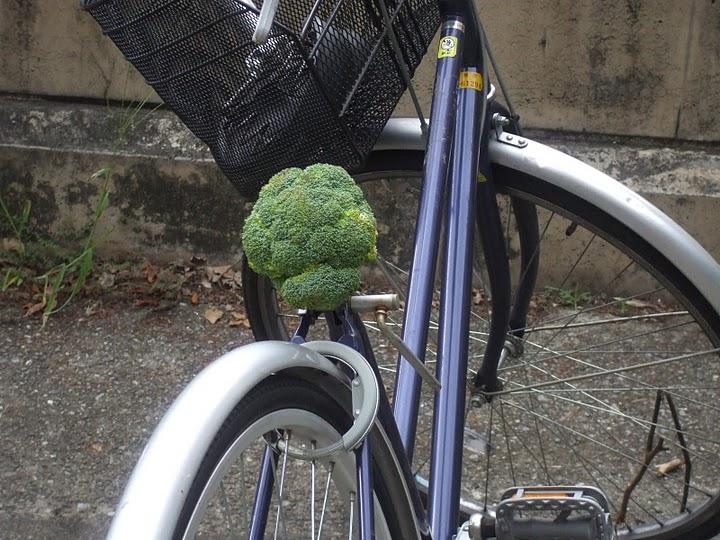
(499, 122)
(380, 304)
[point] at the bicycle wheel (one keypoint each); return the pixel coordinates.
(605, 300)
(309, 498)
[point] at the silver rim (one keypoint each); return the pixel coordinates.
(311, 498)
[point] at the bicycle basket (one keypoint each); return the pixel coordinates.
(319, 90)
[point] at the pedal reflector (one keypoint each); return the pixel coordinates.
(554, 512)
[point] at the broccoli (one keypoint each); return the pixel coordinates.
(310, 231)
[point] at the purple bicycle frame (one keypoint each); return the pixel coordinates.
(454, 131)
(455, 124)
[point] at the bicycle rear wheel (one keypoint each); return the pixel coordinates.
(606, 300)
(309, 498)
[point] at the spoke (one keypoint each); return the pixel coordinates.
(352, 514)
(573, 316)
(612, 371)
(282, 485)
(325, 498)
(653, 389)
(616, 412)
(385, 268)
(312, 493)
(607, 407)
(624, 377)
(487, 459)
(507, 443)
(587, 464)
(620, 273)
(559, 331)
(610, 449)
(534, 255)
(611, 321)
(577, 261)
(533, 403)
(534, 359)
(520, 438)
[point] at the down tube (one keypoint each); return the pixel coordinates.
(427, 235)
(446, 464)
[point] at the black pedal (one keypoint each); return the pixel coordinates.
(554, 513)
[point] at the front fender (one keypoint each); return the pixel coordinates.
(597, 188)
(154, 496)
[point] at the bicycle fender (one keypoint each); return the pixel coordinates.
(154, 496)
(595, 187)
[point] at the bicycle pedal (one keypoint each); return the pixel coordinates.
(557, 513)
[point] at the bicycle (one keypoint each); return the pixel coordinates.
(303, 413)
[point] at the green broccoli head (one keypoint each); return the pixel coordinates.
(310, 231)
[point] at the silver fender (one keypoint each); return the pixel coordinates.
(595, 187)
(154, 496)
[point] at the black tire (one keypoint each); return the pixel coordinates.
(704, 518)
(280, 393)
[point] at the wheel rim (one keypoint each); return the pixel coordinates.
(592, 430)
(292, 513)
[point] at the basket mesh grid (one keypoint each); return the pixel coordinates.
(320, 89)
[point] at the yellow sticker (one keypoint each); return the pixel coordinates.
(470, 79)
(448, 47)
(481, 177)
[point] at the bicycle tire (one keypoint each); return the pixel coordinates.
(280, 396)
(704, 519)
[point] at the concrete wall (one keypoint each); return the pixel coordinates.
(633, 67)
(169, 200)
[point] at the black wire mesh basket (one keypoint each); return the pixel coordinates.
(320, 89)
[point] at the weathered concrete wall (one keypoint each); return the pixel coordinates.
(632, 67)
(168, 198)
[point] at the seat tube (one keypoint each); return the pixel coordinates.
(452, 358)
(429, 224)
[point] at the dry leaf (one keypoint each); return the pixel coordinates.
(214, 273)
(150, 273)
(34, 308)
(145, 302)
(106, 280)
(239, 319)
(205, 283)
(668, 467)
(477, 296)
(91, 309)
(639, 304)
(213, 314)
(96, 447)
(12, 244)
(194, 298)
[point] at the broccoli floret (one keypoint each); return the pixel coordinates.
(310, 231)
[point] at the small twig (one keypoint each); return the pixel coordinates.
(683, 445)
(650, 452)
(649, 456)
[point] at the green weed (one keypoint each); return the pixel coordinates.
(70, 276)
(12, 277)
(570, 297)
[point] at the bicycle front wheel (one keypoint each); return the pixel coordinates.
(623, 346)
(306, 498)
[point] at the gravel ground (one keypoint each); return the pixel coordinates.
(79, 398)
